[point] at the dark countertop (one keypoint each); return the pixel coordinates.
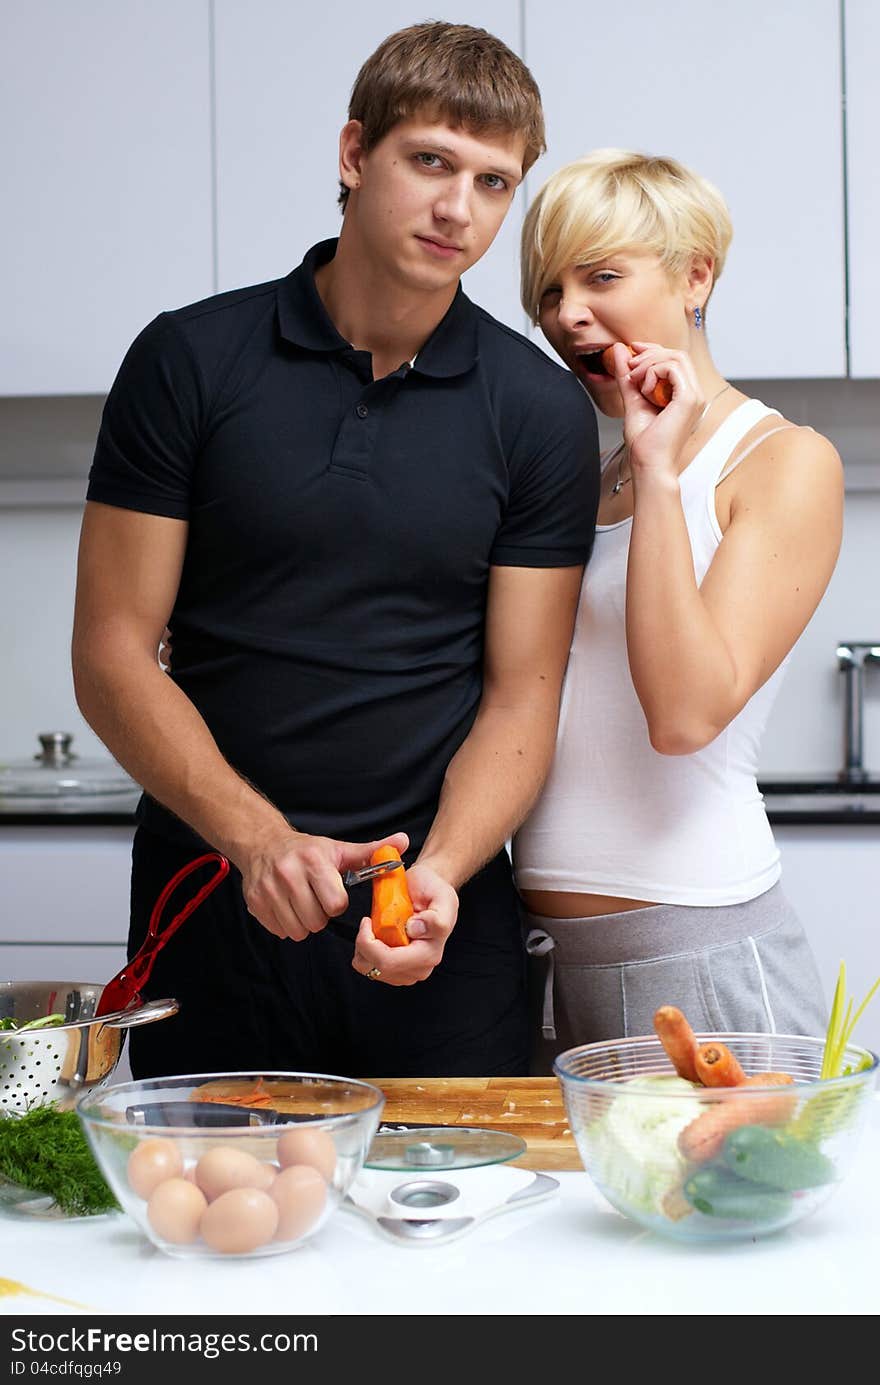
(59, 819)
(821, 800)
(104, 810)
(791, 799)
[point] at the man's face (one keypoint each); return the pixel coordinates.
(429, 198)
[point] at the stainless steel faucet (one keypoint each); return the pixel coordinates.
(852, 658)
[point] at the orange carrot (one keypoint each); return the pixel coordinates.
(702, 1139)
(678, 1039)
(717, 1067)
(392, 905)
(251, 1096)
(660, 395)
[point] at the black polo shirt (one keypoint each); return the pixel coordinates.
(329, 622)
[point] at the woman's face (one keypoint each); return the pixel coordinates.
(628, 297)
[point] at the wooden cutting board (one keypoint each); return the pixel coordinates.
(531, 1107)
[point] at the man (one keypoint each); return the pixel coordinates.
(363, 506)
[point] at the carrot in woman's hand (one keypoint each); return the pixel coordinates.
(660, 395)
(717, 1067)
(702, 1139)
(392, 905)
(678, 1039)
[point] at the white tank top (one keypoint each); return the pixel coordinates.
(615, 816)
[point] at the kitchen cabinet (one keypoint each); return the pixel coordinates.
(282, 97)
(89, 963)
(830, 875)
(66, 901)
(751, 99)
(163, 150)
(861, 50)
(107, 215)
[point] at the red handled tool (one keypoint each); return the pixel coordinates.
(124, 989)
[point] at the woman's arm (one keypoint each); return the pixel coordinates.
(697, 654)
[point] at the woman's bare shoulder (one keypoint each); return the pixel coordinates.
(784, 453)
(786, 469)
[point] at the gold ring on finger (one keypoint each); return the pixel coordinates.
(373, 974)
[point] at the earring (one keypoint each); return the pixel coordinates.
(698, 317)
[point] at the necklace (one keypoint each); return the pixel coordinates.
(620, 452)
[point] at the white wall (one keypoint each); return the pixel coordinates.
(37, 574)
(54, 437)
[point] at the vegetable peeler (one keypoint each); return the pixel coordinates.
(357, 877)
(124, 989)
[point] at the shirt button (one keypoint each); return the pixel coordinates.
(361, 410)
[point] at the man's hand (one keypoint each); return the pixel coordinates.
(293, 884)
(436, 910)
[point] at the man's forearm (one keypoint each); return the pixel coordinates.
(490, 785)
(158, 736)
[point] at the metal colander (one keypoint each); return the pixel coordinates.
(56, 1065)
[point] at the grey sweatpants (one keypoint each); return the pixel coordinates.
(739, 967)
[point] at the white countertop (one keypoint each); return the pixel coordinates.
(571, 1254)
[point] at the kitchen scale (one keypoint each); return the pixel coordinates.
(424, 1185)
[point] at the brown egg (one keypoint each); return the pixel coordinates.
(301, 1193)
(239, 1221)
(175, 1209)
(151, 1163)
(224, 1168)
(268, 1174)
(313, 1147)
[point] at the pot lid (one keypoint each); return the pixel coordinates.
(412, 1147)
(56, 771)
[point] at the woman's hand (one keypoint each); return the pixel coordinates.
(655, 437)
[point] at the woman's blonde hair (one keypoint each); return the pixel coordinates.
(614, 200)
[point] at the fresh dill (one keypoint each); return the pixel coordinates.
(46, 1151)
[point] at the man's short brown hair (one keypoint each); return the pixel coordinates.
(463, 75)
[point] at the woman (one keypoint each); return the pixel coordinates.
(648, 867)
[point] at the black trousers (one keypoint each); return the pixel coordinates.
(252, 1002)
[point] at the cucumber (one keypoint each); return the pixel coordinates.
(762, 1155)
(716, 1192)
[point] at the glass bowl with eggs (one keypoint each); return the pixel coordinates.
(226, 1165)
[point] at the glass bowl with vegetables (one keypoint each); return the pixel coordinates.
(230, 1165)
(717, 1137)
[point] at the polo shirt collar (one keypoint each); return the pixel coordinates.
(303, 320)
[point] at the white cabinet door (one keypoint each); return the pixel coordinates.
(106, 117)
(65, 885)
(862, 49)
(747, 95)
(58, 963)
(283, 87)
(830, 876)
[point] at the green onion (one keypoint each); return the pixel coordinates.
(841, 1024)
(45, 1022)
